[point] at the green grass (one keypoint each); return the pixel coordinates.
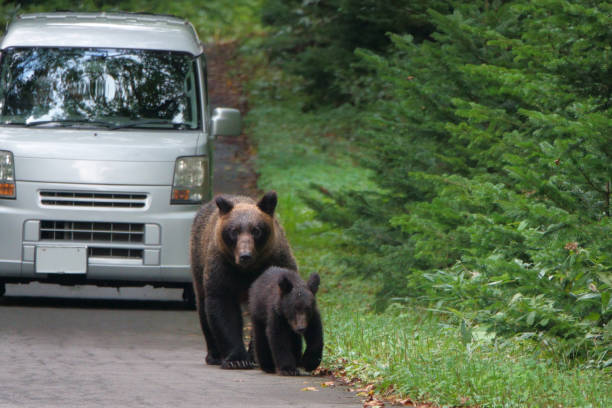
(414, 352)
(423, 357)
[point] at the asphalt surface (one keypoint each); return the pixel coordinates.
(81, 347)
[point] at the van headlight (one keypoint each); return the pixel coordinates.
(190, 180)
(7, 175)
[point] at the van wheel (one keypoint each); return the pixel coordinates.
(189, 297)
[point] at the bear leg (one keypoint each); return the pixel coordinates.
(212, 356)
(225, 321)
(314, 344)
(297, 346)
(282, 345)
(212, 352)
(262, 347)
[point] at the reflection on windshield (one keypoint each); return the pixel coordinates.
(95, 86)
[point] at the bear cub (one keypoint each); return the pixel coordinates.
(233, 240)
(283, 309)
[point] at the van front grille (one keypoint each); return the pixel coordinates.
(92, 231)
(92, 199)
(114, 253)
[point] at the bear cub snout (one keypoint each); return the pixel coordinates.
(283, 310)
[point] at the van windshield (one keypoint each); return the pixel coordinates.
(112, 88)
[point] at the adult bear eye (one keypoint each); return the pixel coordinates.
(256, 232)
(234, 233)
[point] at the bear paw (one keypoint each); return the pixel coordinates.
(238, 359)
(289, 371)
(212, 360)
(310, 362)
(268, 368)
(237, 364)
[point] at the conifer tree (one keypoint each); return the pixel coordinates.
(491, 143)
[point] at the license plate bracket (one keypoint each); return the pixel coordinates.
(66, 259)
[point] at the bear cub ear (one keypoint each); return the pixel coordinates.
(268, 202)
(285, 285)
(313, 283)
(224, 205)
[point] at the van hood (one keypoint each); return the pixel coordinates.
(129, 157)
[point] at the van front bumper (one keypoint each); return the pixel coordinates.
(98, 234)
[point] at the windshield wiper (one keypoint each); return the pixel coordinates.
(144, 123)
(70, 121)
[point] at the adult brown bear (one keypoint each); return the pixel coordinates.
(233, 240)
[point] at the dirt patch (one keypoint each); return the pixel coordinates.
(233, 165)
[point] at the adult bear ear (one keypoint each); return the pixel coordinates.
(268, 202)
(285, 285)
(224, 205)
(313, 283)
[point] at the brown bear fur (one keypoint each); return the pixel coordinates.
(233, 240)
(283, 309)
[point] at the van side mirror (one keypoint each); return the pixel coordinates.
(226, 122)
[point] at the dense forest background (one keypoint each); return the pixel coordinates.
(485, 128)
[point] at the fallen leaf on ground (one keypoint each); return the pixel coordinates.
(309, 389)
(321, 372)
(368, 388)
(328, 384)
(373, 402)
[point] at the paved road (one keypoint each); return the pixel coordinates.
(77, 350)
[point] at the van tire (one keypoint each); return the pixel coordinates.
(189, 297)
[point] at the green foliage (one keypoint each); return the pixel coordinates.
(491, 147)
(426, 356)
(316, 39)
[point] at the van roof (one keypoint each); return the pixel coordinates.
(102, 30)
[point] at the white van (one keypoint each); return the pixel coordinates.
(105, 148)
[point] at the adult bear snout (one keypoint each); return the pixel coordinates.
(245, 258)
(245, 248)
